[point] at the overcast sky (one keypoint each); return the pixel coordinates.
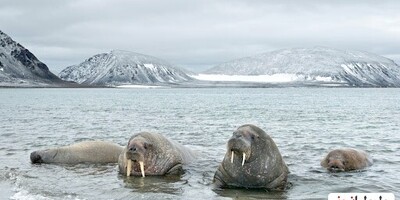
(197, 35)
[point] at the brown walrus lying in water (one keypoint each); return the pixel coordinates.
(346, 159)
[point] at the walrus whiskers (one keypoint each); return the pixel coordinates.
(233, 155)
(129, 167)
(141, 167)
(244, 158)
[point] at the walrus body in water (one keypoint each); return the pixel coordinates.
(81, 152)
(145, 154)
(346, 159)
(153, 154)
(252, 160)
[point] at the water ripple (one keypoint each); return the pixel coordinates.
(305, 123)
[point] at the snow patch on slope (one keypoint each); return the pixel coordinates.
(275, 78)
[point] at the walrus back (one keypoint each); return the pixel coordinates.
(82, 152)
(186, 154)
(94, 152)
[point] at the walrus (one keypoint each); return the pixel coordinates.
(145, 154)
(82, 152)
(153, 154)
(253, 161)
(346, 159)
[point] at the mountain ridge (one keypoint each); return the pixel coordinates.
(352, 68)
(120, 67)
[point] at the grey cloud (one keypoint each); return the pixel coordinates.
(197, 34)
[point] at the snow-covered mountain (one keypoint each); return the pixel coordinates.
(19, 67)
(319, 65)
(123, 68)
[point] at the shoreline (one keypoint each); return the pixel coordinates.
(201, 84)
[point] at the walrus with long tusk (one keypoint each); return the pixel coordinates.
(145, 154)
(153, 154)
(346, 159)
(252, 160)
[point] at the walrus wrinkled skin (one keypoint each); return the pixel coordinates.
(346, 159)
(153, 154)
(82, 152)
(252, 160)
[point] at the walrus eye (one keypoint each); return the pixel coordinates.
(132, 149)
(146, 145)
(252, 137)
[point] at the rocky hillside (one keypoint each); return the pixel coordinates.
(20, 68)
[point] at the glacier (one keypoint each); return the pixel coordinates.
(316, 66)
(274, 78)
(119, 67)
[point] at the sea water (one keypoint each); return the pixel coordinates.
(305, 123)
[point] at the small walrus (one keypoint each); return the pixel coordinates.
(252, 160)
(153, 154)
(346, 159)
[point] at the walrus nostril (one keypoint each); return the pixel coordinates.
(132, 149)
(334, 167)
(35, 158)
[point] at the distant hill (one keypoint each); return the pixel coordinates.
(316, 65)
(20, 68)
(123, 68)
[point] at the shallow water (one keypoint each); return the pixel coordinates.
(304, 122)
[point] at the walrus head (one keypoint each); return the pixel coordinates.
(137, 150)
(36, 157)
(150, 154)
(240, 144)
(44, 156)
(336, 163)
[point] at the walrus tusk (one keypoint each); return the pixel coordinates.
(129, 168)
(141, 168)
(244, 158)
(233, 154)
